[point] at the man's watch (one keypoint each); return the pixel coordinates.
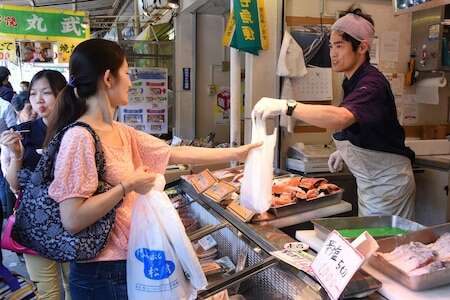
(291, 104)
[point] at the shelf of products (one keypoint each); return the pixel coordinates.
(239, 261)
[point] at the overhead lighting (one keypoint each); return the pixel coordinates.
(173, 4)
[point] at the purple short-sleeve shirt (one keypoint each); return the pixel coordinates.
(368, 96)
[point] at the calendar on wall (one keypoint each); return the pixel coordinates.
(316, 85)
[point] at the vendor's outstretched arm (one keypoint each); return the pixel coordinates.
(325, 116)
(198, 155)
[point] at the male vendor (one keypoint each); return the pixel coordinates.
(368, 138)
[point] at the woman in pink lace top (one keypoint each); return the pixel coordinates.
(99, 83)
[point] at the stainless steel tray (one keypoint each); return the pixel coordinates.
(303, 205)
(323, 227)
(416, 283)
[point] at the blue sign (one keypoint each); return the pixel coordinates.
(156, 267)
(187, 79)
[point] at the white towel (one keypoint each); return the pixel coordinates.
(291, 62)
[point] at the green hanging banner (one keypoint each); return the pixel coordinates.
(246, 28)
(41, 23)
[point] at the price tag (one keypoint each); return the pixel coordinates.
(241, 212)
(296, 258)
(299, 246)
(203, 181)
(336, 263)
(226, 263)
(207, 242)
(219, 191)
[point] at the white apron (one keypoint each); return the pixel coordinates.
(385, 181)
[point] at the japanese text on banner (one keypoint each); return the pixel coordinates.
(246, 28)
(20, 21)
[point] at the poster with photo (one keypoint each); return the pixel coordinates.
(37, 52)
(147, 109)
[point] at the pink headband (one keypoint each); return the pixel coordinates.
(355, 26)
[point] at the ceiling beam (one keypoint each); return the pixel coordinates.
(61, 3)
(99, 8)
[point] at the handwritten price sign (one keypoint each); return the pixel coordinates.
(336, 263)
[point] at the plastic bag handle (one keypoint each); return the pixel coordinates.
(258, 128)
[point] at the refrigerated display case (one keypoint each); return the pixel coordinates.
(257, 274)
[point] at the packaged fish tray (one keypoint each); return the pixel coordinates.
(419, 260)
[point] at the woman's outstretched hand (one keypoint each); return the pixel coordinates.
(242, 151)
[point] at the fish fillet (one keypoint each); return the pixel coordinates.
(442, 247)
(410, 256)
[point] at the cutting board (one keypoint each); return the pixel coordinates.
(391, 289)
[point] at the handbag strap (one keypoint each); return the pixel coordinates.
(47, 167)
(9, 278)
(17, 202)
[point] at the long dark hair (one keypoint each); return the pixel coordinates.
(55, 79)
(355, 43)
(88, 63)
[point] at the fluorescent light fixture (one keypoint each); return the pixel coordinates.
(173, 4)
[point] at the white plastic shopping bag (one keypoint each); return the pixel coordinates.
(161, 262)
(256, 188)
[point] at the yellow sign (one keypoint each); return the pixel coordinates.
(65, 50)
(8, 50)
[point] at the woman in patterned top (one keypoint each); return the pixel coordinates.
(99, 83)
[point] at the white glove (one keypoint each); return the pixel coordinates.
(335, 162)
(269, 107)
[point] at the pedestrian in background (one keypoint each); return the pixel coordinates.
(24, 151)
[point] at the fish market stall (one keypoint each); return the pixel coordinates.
(239, 233)
(247, 245)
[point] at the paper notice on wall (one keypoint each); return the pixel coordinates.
(407, 109)
(409, 114)
(427, 90)
(148, 103)
(390, 46)
(375, 52)
(396, 80)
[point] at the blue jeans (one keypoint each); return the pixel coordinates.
(98, 280)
